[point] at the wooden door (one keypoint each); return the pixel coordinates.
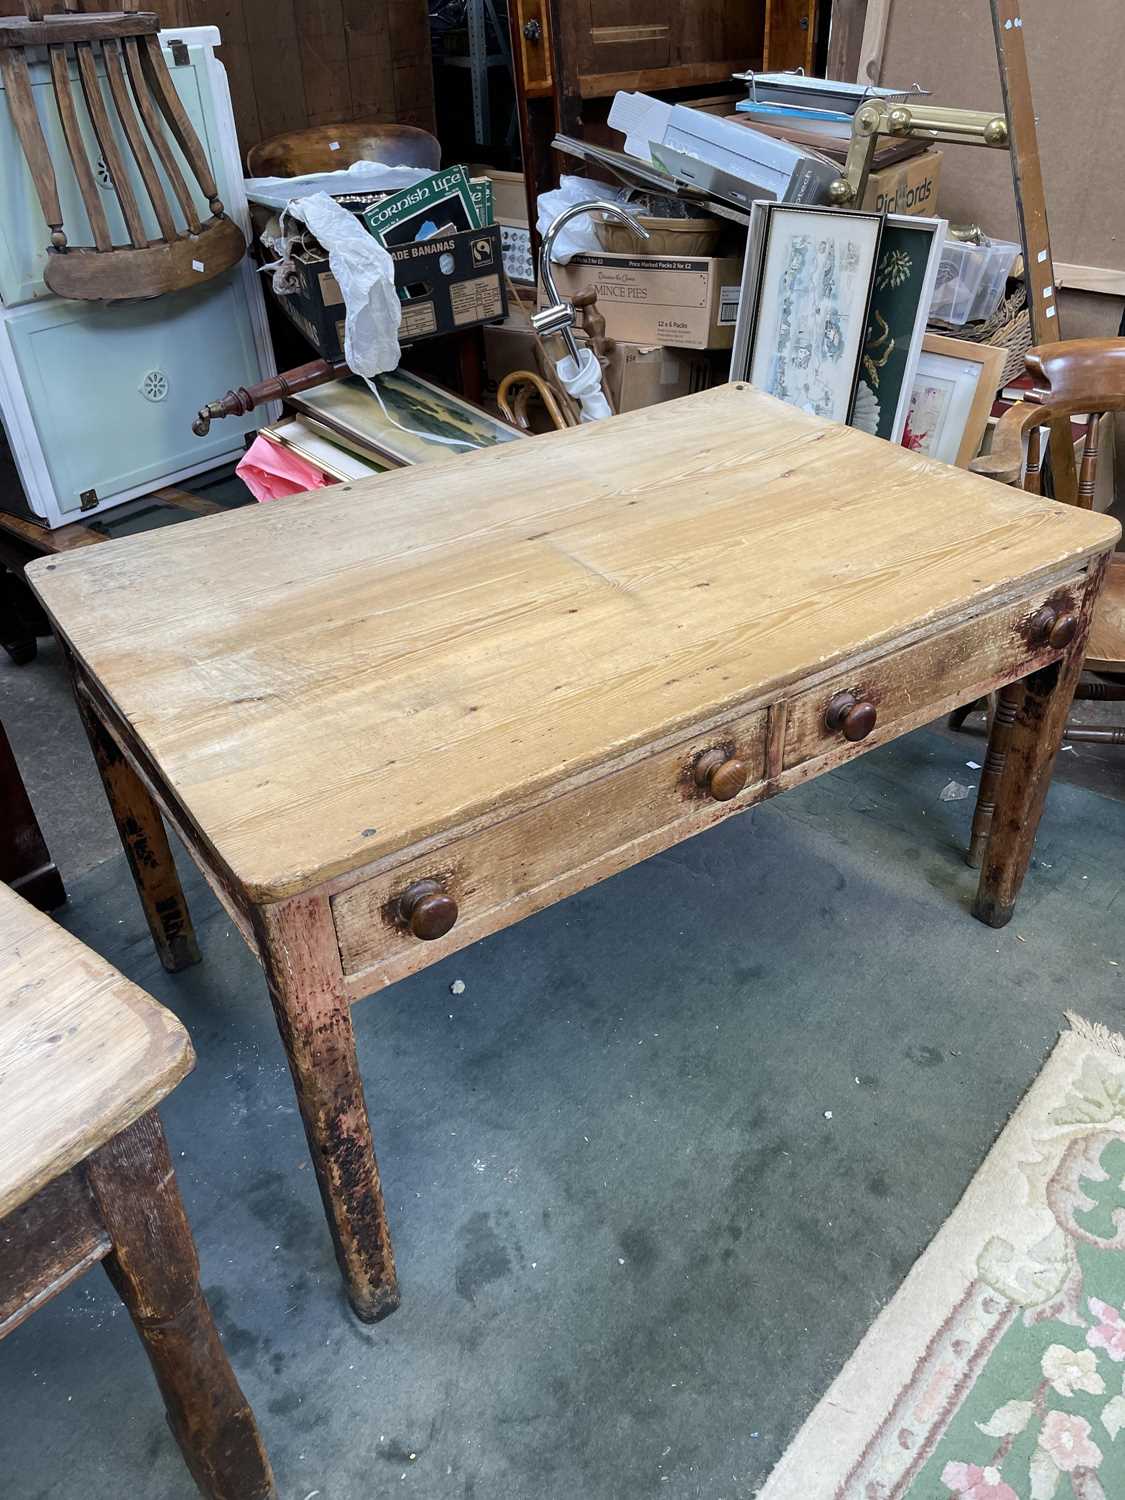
(632, 44)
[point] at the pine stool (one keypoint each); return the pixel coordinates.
(85, 1175)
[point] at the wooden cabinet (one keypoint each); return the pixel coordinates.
(572, 56)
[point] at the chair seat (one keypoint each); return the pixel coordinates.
(83, 1052)
(1106, 649)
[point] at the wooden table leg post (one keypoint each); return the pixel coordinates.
(146, 846)
(301, 955)
(1026, 735)
(155, 1269)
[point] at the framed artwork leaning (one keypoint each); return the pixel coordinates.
(954, 390)
(404, 420)
(909, 256)
(802, 318)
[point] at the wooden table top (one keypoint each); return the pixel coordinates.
(330, 678)
(83, 1052)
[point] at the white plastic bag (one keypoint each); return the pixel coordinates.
(360, 177)
(579, 234)
(366, 275)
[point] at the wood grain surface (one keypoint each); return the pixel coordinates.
(83, 1052)
(337, 676)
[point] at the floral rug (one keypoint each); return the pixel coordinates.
(997, 1372)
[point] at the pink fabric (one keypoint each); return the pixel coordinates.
(269, 471)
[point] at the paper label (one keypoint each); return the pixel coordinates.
(197, 265)
(418, 319)
(474, 301)
(333, 145)
(330, 293)
(729, 297)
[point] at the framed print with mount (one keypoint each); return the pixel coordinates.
(909, 256)
(802, 317)
(954, 389)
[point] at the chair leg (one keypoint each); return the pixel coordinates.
(155, 1269)
(1006, 709)
(1035, 713)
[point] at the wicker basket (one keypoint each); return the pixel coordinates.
(1008, 328)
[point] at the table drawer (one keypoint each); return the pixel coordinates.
(874, 699)
(506, 871)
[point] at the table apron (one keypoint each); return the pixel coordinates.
(509, 868)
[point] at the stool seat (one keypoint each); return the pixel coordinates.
(83, 1052)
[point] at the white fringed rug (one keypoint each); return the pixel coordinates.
(997, 1372)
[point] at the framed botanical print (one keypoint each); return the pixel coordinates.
(909, 256)
(803, 312)
(953, 393)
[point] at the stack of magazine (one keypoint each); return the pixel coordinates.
(818, 112)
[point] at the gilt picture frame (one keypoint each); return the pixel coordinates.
(905, 276)
(953, 394)
(806, 290)
(411, 421)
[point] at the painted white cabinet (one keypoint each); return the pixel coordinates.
(97, 401)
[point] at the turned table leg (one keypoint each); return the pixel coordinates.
(302, 961)
(146, 846)
(1026, 735)
(153, 1265)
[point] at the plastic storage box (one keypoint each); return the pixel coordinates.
(971, 280)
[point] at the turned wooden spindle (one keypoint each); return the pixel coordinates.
(850, 716)
(1088, 474)
(289, 383)
(721, 774)
(427, 909)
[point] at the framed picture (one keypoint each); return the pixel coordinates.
(411, 421)
(954, 389)
(909, 256)
(803, 311)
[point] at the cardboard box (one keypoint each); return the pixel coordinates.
(638, 375)
(453, 283)
(509, 202)
(909, 187)
(689, 302)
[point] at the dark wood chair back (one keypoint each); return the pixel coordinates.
(1078, 377)
(328, 148)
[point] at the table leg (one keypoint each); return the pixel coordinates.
(25, 863)
(297, 939)
(1026, 734)
(146, 847)
(154, 1266)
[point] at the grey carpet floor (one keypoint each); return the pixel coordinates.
(650, 1176)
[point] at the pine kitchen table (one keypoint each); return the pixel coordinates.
(392, 717)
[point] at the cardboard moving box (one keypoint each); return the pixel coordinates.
(909, 187)
(689, 302)
(452, 282)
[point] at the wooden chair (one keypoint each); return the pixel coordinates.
(85, 1176)
(1077, 378)
(328, 148)
(142, 109)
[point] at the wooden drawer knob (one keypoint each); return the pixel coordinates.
(1051, 628)
(427, 910)
(853, 717)
(721, 774)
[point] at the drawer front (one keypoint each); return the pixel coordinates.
(506, 871)
(909, 683)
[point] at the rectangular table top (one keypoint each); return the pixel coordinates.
(330, 678)
(83, 1051)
